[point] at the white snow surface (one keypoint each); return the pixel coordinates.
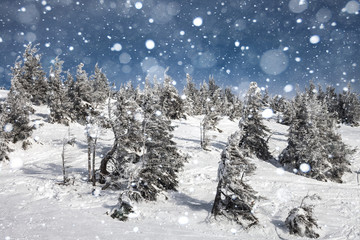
(34, 206)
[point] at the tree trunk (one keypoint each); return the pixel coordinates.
(63, 162)
(106, 159)
(89, 157)
(93, 163)
(215, 209)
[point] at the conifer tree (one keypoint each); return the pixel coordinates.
(4, 148)
(349, 107)
(232, 105)
(172, 104)
(17, 108)
(59, 102)
(314, 148)
(191, 106)
(33, 77)
(81, 95)
(251, 125)
(101, 87)
(234, 197)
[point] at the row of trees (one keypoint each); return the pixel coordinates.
(312, 142)
(144, 160)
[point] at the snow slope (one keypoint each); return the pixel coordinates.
(34, 206)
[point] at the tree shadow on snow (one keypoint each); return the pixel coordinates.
(192, 203)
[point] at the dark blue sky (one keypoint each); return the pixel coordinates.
(276, 43)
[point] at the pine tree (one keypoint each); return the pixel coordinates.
(251, 125)
(101, 87)
(191, 100)
(349, 107)
(58, 101)
(172, 104)
(146, 159)
(33, 77)
(4, 148)
(314, 143)
(17, 108)
(232, 105)
(234, 198)
(81, 95)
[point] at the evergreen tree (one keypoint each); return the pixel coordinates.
(234, 198)
(172, 104)
(191, 106)
(331, 99)
(313, 145)
(33, 77)
(232, 105)
(349, 107)
(146, 158)
(58, 102)
(251, 125)
(17, 109)
(81, 95)
(4, 148)
(101, 87)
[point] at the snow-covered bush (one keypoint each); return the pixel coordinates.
(300, 221)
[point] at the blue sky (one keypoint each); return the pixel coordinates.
(276, 43)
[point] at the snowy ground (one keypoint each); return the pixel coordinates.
(34, 206)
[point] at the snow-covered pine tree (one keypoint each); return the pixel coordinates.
(4, 148)
(349, 107)
(81, 95)
(160, 160)
(232, 105)
(251, 125)
(17, 108)
(58, 101)
(314, 148)
(214, 94)
(191, 93)
(266, 98)
(33, 77)
(203, 97)
(172, 104)
(101, 87)
(69, 85)
(234, 197)
(331, 99)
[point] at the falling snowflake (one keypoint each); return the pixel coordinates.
(149, 44)
(305, 167)
(198, 21)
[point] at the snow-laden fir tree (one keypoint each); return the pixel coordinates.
(32, 76)
(4, 148)
(314, 148)
(146, 158)
(232, 106)
(58, 101)
(251, 125)
(80, 93)
(160, 160)
(172, 104)
(101, 87)
(17, 108)
(127, 128)
(234, 197)
(191, 95)
(349, 107)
